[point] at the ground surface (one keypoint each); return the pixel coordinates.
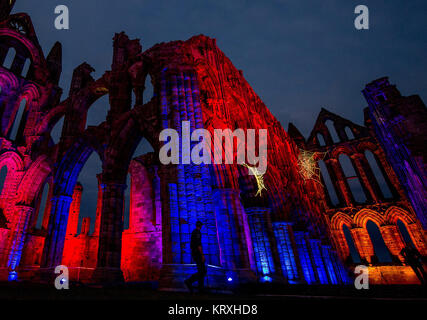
(138, 291)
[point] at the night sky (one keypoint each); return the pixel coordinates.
(298, 57)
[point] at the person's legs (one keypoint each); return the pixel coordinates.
(201, 268)
(196, 276)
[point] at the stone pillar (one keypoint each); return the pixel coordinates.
(333, 273)
(418, 237)
(85, 226)
(367, 179)
(23, 214)
(267, 260)
(318, 261)
(389, 175)
(98, 206)
(110, 236)
(235, 239)
(341, 243)
(73, 217)
(393, 240)
(54, 243)
(343, 191)
(305, 257)
(363, 243)
(48, 208)
(287, 251)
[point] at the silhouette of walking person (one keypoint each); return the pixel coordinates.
(413, 259)
(199, 258)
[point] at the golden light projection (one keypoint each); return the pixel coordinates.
(307, 163)
(101, 90)
(259, 179)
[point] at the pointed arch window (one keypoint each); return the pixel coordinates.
(378, 174)
(330, 188)
(320, 140)
(352, 179)
(405, 234)
(349, 133)
(18, 120)
(43, 204)
(380, 249)
(26, 68)
(3, 175)
(332, 131)
(354, 254)
(10, 57)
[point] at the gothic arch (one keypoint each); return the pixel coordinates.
(342, 149)
(33, 51)
(339, 219)
(50, 120)
(8, 80)
(362, 217)
(12, 160)
(132, 131)
(73, 161)
(393, 214)
(33, 180)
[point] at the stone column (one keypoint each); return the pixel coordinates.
(286, 248)
(393, 240)
(98, 205)
(54, 243)
(110, 235)
(367, 179)
(318, 261)
(74, 213)
(23, 214)
(330, 266)
(342, 189)
(418, 237)
(235, 238)
(363, 243)
(304, 255)
(341, 243)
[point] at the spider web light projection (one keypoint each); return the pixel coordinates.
(259, 179)
(307, 163)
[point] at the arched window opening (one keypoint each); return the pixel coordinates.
(378, 173)
(10, 57)
(405, 234)
(355, 257)
(57, 131)
(328, 182)
(349, 133)
(26, 68)
(98, 111)
(352, 179)
(89, 200)
(18, 119)
(3, 175)
(320, 140)
(332, 131)
(380, 249)
(148, 91)
(143, 147)
(42, 207)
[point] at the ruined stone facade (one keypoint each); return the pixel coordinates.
(291, 233)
